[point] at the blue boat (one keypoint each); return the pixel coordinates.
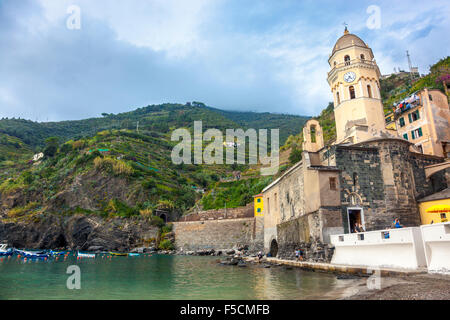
(5, 252)
(134, 254)
(57, 253)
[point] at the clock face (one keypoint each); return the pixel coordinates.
(350, 76)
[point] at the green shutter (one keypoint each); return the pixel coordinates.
(420, 132)
(412, 135)
(405, 136)
(402, 122)
(410, 118)
(418, 114)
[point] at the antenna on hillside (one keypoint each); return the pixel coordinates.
(409, 61)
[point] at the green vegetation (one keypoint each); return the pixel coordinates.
(234, 193)
(395, 88)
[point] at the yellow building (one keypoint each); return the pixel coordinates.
(259, 205)
(355, 83)
(390, 121)
(435, 208)
(424, 119)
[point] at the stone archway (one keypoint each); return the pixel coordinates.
(273, 248)
(164, 217)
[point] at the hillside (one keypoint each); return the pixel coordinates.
(157, 118)
(397, 87)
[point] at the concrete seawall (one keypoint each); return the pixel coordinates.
(220, 234)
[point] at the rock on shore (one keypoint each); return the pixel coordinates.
(78, 232)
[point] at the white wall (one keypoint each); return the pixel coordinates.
(403, 249)
(436, 240)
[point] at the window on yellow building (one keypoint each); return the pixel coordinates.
(369, 91)
(258, 200)
(259, 210)
(416, 133)
(352, 92)
(333, 183)
(338, 98)
(347, 60)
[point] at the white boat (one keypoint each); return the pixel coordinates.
(4, 251)
(32, 254)
(86, 255)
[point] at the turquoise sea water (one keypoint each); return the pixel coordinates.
(159, 277)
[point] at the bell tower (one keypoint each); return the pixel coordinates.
(354, 80)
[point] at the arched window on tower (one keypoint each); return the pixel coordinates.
(338, 98)
(313, 134)
(352, 92)
(347, 60)
(362, 57)
(369, 91)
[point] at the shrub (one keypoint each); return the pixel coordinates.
(166, 244)
(167, 228)
(110, 165)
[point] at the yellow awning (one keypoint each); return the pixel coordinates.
(440, 208)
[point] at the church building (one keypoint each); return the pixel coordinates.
(369, 176)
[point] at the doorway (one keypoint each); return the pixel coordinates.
(273, 248)
(355, 215)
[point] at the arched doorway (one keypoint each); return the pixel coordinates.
(274, 248)
(164, 217)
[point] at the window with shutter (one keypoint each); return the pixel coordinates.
(410, 118)
(405, 136)
(412, 135)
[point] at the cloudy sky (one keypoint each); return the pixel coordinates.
(253, 55)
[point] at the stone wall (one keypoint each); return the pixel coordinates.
(306, 233)
(219, 214)
(219, 234)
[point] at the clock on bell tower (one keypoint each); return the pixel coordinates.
(355, 83)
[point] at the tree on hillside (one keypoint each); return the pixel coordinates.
(51, 146)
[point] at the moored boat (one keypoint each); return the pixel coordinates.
(85, 255)
(57, 253)
(4, 251)
(32, 254)
(120, 254)
(134, 254)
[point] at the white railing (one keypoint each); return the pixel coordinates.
(397, 248)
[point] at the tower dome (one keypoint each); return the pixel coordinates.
(348, 40)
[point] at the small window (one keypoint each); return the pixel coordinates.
(347, 60)
(333, 185)
(443, 216)
(416, 133)
(355, 178)
(369, 91)
(431, 97)
(313, 134)
(335, 63)
(362, 57)
(338, 98)
(405, 136)
(259, 200)
(402, 122)
(259, 210)
(352, 92)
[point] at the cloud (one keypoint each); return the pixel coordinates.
(239, 55)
